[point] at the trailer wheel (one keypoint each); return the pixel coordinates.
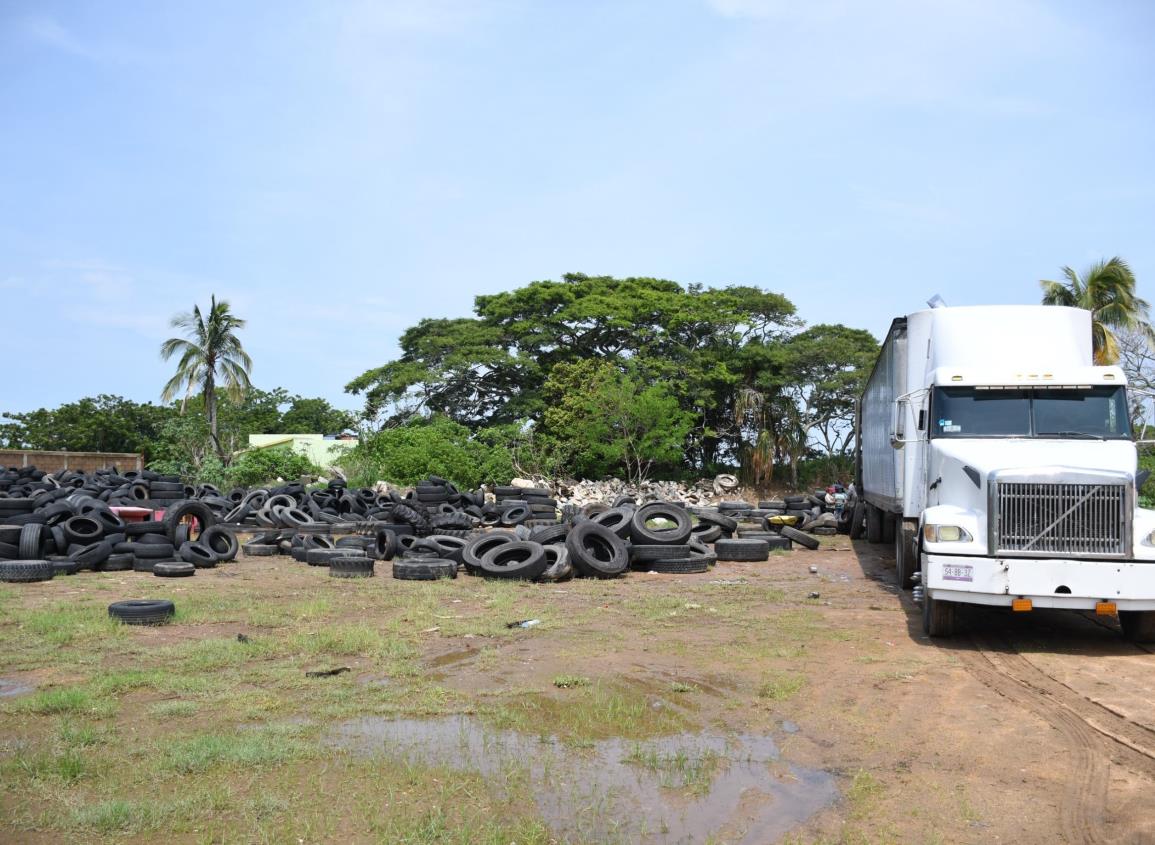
(889, 524)
(1138, 625)
(938, 617)
(857, 516)
(873, 524)
(905, 552)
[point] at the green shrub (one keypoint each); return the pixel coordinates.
(263, 466)
(409, 453)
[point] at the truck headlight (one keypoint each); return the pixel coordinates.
(946, 534)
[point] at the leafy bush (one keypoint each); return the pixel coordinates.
(263, 466)
(409, 453)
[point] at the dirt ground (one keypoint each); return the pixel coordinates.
(733, 706)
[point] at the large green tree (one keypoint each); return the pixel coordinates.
(94, 424)
(491, 369)
(1107, 290)
(210, 353)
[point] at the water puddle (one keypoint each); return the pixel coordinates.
(681, 789)
(10, 687)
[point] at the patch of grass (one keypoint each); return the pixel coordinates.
(342, 641)
(681, 686)
(685, 769)
(863, 790)
(79, 735)
(780, 686)
(65, 624)
(586, 714)
(265, 746)
(568, 681)
(58, 764)
(63, 700)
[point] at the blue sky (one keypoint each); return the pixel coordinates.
(339, 170)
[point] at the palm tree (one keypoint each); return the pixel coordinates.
(210, 353)
(1107, 290)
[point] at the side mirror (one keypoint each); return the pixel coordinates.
(896, 441)
(1141, 478)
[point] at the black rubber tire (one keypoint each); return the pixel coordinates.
(645, 554)
(938, 617)
(138, 529)
(26, 571)
(800, 537)
(30, 545)
(476, 548)
(905, 554)
(351, 567)
(115, 563)
(322, 557)
(1138, 625)
(874, 518)
(515, 515)
(889, 525)
(726, 523)
(423, 569)
(71, 567)
(741, 549)
(779, 542)
(93, 554)
(386, 544)
(153, 551)
(173, 569)
(674, 536)
(186, 509)
(82, 530)
(596, 551)
(707, 532)
(554, 533)
(857, 518)
(223, 543)
(153, 540)
(558, 566)
(692, 565)
(520, 560)
(617, 520)
(142, 611)
(259, 550)
(198, 554)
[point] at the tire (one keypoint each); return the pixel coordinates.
(259, 550)
(139, 529)
(641, 532)
(82, 530)
(1138, 625)
(874, 519)
(616, 520)
(857, 517)
(322, 557)
(749, 550)
(71, 567)
(92, 555)
(552, 534)
(173, 569)
(728, 524)
(521, 560)
(186, 509)
(115, 563)
(423, 569)
(223, 543)
(905, 553)
(351, 567)
(800, 537)
(26, 571)
(30, 544)
(477, 548)
(142, 611)
(706, 532)
(938, 617)
(199, 555)
(515, 515)
(889, 526)
(153, 551)
(679, 566)
(386, 544)
(646, 554)
(779, 542)
(596, 551)
(559, 567)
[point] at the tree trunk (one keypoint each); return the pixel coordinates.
(211, 411)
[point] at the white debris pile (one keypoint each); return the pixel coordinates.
(581, 493)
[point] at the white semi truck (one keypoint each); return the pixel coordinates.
(999, 460)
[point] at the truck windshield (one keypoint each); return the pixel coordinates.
(1068, 412)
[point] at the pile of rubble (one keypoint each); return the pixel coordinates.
(703, 492)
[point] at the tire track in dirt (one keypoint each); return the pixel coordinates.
(1083, 810)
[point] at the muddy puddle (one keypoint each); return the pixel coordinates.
(10, 687)
(670, 791)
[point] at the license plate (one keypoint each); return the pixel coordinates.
(957, 572)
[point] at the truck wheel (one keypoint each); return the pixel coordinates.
(937, 617)
(889, 524)
(905, 561)
(873, 524)
(1138, 625)
(856, 519)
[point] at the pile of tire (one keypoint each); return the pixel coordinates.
(63, 523)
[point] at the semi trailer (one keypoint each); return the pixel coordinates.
(999, 460)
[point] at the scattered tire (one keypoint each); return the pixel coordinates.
(351, 567)
(423, 569)
(142, 611)
(121, 562)
(522, 560)
(26, 571)
(642, 529)
(679, 566)
(728, 524)
(174, 569)
(477, 548)
(742, 549)
(559, 567)
(645, 554)
(322, 557)
(259, 550)
(800, 537)
(188, 509)
(155, 551)
(30, 543)
(223, 543)
(199, 555)
(596, 551)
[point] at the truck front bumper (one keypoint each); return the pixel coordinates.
(1048, 582)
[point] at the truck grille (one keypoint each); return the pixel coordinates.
(1067, 520)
